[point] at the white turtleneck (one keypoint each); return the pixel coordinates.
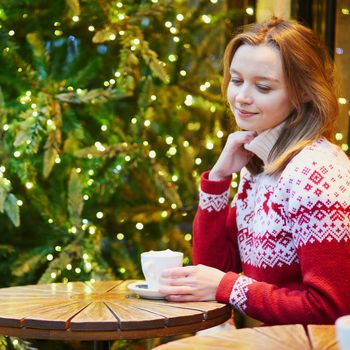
(263, 143)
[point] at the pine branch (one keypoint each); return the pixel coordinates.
(75, 198)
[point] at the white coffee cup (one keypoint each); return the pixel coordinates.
(342, 326)
(155, 262)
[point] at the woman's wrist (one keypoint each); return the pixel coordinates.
(214, 176)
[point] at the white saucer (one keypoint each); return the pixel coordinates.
(141, 288)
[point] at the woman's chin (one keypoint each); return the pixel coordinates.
(245, 127)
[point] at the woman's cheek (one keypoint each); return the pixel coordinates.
(231, 98)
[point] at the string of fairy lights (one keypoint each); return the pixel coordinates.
(189, 100)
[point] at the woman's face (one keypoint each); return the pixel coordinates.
(257, 92)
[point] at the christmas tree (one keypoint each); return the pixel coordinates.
(110, 111)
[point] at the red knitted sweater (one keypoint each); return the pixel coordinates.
(289, 235)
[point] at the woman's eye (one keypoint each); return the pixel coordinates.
(263, 88)
(236, 81)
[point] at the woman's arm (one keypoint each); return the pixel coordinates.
(325, 297)
(214, 247)
(214, 227)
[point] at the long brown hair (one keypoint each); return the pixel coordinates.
(309, 76)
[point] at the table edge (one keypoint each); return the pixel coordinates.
(32, 333)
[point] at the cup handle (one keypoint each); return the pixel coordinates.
(149, 269)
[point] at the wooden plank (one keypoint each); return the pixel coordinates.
(284, 337)
(209, 309)
(24, 300)
(17, 304)
(173, 315)
(55, 334)
(102, 286)
(323, 337)
(133, 318)
(13, 314)
(54, 318)
(122, 288)
(205, 343)
(43, 290)
(273, 338)
(96, 316)
(113, 297)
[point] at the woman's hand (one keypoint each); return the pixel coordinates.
(233, 157)
(190, 283)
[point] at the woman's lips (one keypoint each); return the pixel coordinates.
(243, 113)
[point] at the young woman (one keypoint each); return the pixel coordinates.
(280, 252)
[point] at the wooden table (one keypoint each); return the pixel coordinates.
(99, 311)
(289, 337)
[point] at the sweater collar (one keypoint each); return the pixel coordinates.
(263, 143)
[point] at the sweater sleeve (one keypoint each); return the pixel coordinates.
(214, 227)
(319, 215)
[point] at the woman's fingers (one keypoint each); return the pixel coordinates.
(190, 283)
(177, 272)
(180, 281)
(233, 156)
(181, 298)
(172, 290)
(239, 138)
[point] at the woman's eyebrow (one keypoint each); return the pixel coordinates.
(258, 77)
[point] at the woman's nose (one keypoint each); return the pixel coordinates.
(243, 96)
